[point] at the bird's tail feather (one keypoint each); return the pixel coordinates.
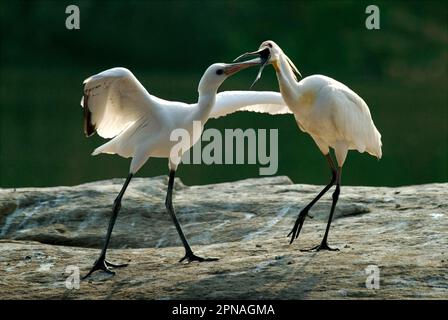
(105, 148)
(376, 144)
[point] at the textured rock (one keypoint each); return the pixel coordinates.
(401, 230)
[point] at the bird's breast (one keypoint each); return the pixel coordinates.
(307, 98)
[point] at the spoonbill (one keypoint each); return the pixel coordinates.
(117, 106)
(334, 115)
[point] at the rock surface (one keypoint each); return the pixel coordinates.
(403, 231)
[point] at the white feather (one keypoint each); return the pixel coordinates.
(116, 100)
(255, 101)
(335, 116)
(141, 124)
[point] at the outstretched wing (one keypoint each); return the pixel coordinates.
(256, 101)
(113, 100)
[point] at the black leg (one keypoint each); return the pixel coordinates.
(101, 263)
(304, 212)
(324, 244)
(189, 255)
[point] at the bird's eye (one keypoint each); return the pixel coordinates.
(219, 72)
(269, 45)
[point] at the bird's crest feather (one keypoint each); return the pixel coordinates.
(294, 69)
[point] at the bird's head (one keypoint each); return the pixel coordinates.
(217, 73)
(269, 53)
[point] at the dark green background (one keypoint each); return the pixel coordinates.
(400, 71)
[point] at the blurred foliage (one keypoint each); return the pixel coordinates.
(400, 70)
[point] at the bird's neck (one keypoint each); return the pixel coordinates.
(286, 79)
(206, 101)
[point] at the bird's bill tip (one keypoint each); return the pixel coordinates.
(263, 53)
(235, 67)
(245, 55)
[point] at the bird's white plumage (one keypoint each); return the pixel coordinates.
(140, 124)
(333, 114)
(117, 100)
(255, 101)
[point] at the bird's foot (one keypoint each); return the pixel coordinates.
(323, 246)
(298, 225)
(113, 265)
(190, 257)
(104, 265)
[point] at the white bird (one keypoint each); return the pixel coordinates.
(117, 106)
(334, 115)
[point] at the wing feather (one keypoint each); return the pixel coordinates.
(355, 121)
(113, 100)
(255, 101)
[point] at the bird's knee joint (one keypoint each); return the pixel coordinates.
(336, 193)
(333, 176)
